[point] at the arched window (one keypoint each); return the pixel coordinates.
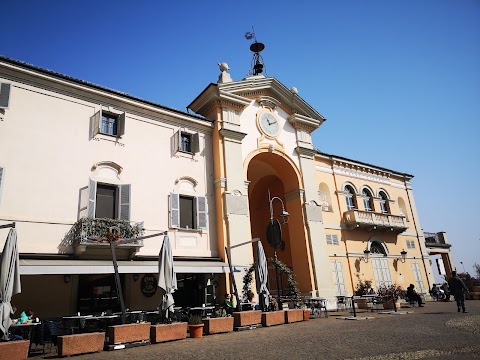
(376, 248)
(350, 197)
(367, 199)
(384, 206)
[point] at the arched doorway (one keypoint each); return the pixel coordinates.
(272, 172)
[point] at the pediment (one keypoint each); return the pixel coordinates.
(239, 94)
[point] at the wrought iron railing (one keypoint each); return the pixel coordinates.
(95, 231)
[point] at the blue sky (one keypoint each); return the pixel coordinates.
(398, 81)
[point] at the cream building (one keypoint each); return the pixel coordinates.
(72, 152)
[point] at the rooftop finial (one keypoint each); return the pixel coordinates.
(224, 76)
(256, 48)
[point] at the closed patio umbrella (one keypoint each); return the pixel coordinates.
(9, 281)
(262, 277)
(167, 278)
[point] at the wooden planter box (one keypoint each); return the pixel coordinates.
(246, 318)
(14, 350)
(293, 315)
(306, 314)
(168, 332)
(77, 344)
(218, 325)
(273, 318)
(128, 333)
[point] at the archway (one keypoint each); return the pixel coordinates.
(272, 172)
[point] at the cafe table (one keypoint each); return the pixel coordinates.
(73, 319)
(205, 311)
(25, 331)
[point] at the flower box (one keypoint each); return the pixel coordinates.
(218, 325)
(77, 344)
(168, 332)
(247, 318)
(273, 318)
(293, 315)
(14, 349)
(128, 333)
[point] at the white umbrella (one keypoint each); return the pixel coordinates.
(262, 273)
(9, 281)
(167, 278)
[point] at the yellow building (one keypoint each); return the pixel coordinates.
(74, 152)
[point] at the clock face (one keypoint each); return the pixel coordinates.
(269, 124)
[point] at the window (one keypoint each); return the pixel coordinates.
(108, 201)
(4, 95)
(384, 207)
(185, 142)
(367, 199)
(107, 123)
(350, 197)
(188, 212)
(377, 248)
(338, 279)
(410, 244)
(332, 239)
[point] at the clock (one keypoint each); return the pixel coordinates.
(269, 124)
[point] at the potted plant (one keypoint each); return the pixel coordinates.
(195, 326)
(362, 288)
(390, 294)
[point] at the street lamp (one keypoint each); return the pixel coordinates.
(366, 255)
(274, 234)
(403, 256)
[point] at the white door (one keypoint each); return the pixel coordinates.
(337, 275)
(381, 271)
(417, 274)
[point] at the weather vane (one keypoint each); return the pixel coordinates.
(256, 48)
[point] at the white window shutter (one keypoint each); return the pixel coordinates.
(92, 198)
(195, 143)
(83, 198)
(121, 124)
(329, 239)
(201, 212)
(335, 239)
(176, 142)
(174, 210)
(4, 95)
(124, 210)
(95, 124)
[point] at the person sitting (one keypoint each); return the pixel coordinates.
(435, 292)
(25, 317)
(371, 292)
(413, 296)
(228, 304)
(446, 291)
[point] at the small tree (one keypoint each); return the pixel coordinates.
(477, 271)
(363, 286)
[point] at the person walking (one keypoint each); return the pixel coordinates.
(458, 289)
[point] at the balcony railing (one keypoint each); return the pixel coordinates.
(91, 238)
(369, 220)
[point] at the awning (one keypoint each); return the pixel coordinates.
(65, 266)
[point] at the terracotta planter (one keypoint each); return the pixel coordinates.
(128, 333)
(273, 318)
(293, 315)
(196, 331)
(218, 325)
(247, 318)
(306, 314)
(14, 349)
(361, 303)
(168, 332)
(388, 305)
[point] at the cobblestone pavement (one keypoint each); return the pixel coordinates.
(436, 331)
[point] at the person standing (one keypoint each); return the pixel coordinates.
(458, 289)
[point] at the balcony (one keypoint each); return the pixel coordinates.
(436, 240)
(91, 239)
(368, 220)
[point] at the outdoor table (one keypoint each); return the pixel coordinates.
(202, 309)
(79, 318)
(247, 306)
(317, 304)
(25, 331)
(108, 319)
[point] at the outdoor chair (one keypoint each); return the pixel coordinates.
(52, 329)
(38, 337)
